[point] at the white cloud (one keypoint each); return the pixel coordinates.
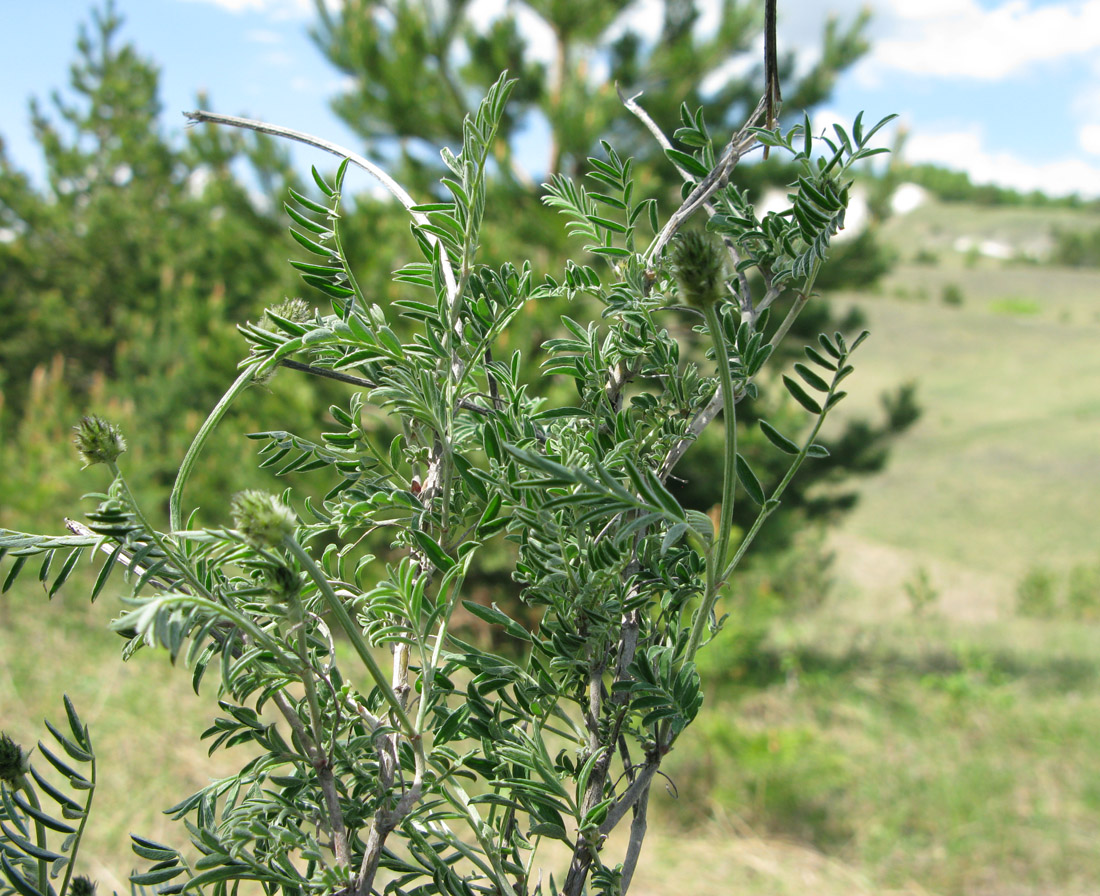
(197, 181)
(855, 220)
(484, 11)
(822, 121)
(907, 198)
(643, 18)
(857, 216)
(1089, 138)
(537, 34)
(960, 39)
(965, 150)
(739, 66)
(1085, 109)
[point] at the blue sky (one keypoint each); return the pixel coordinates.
(1008, 91)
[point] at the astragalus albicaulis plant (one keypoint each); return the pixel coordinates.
(389, 755)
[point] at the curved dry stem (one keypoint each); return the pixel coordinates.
(393, 187)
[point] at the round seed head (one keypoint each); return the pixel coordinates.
(98, 441)
(700, 266)
(13, 761)
(262, 518)
(82, 886)
(296, 310)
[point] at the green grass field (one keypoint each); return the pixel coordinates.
(914, 733)
(1000, 473)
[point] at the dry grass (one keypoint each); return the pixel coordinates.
(145, 721)
(723, 857)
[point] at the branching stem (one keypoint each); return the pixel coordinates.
(315, 743)
(339, 611)
(638, 827)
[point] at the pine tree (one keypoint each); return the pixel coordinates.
(131, 265)
(416, 67)
(103, 247)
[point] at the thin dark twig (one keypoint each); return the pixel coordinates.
(329, 374)
(494, 389)
(322, 766)
(772, 94)
(363, 382)
(631, 795)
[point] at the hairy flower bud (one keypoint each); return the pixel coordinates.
(13, 761)
(262, 518)
(98, 441)
(699, 263)
(295, 310)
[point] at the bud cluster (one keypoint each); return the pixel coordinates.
(699, 263)
(262, 519)
(13, 761)
(296, 310)
(98, 441)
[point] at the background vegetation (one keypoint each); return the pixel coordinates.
(919, 716)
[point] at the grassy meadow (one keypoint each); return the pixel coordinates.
(931, 727)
